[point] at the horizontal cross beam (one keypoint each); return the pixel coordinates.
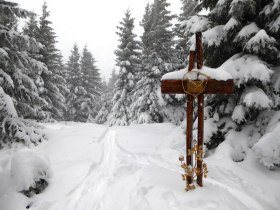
(212, 86)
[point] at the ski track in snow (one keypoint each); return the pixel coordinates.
(137, 169)
(114, 169)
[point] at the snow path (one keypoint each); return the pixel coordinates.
(137, 168)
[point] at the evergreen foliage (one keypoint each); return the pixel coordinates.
(239, 36)
(74, 73)
(55, 84)
(189, 9)
(112, 80)
(20, 80)
(128, 61)
(63, 75)
(31, 29)
(158, 58)
(106, 98)
(85, 86)
(243, 38)
(46, 36)
(74, 81)
(91, 82)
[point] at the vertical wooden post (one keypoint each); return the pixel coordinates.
(200, 102)
(199, 50)
(189, 120)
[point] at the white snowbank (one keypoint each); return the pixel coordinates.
(27, 167)
(268, 148)
(136, 167)
(217, 74)
(13, 201)
(18, 172)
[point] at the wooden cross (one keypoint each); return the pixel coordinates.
(211, 87)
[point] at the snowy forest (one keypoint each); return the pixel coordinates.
(42, 91)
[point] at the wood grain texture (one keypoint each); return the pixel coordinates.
(200, 131)
(212, 87)
(189, 121)
(191, 60)
(200, 104)
(199, 50)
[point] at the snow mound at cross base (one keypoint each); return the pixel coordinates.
(217, 74)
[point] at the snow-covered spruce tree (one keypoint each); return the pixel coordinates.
(75, 82)
(106, 98)
(243, 39)
(129, 63)
(158, 58)
(55, 84)
(20, 80)
(104, 102)
(62, 72)
(112, 80)
(91, 82)
(189, 9)
(31, 27)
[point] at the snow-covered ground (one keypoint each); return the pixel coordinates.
(136, 168)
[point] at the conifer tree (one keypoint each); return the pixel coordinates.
(158, 58)
(74, 81)
(243, 39)
(112, 80)
(146, 23)
(128, 62)
(31, 27)
(189, 9)
(62, 81)
(104, 110)
(46, 36)
(91, 82)
(106, 98)
(74, 72)
(20, 80)
(54, 81)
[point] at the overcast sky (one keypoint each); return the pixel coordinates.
(92, 22)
